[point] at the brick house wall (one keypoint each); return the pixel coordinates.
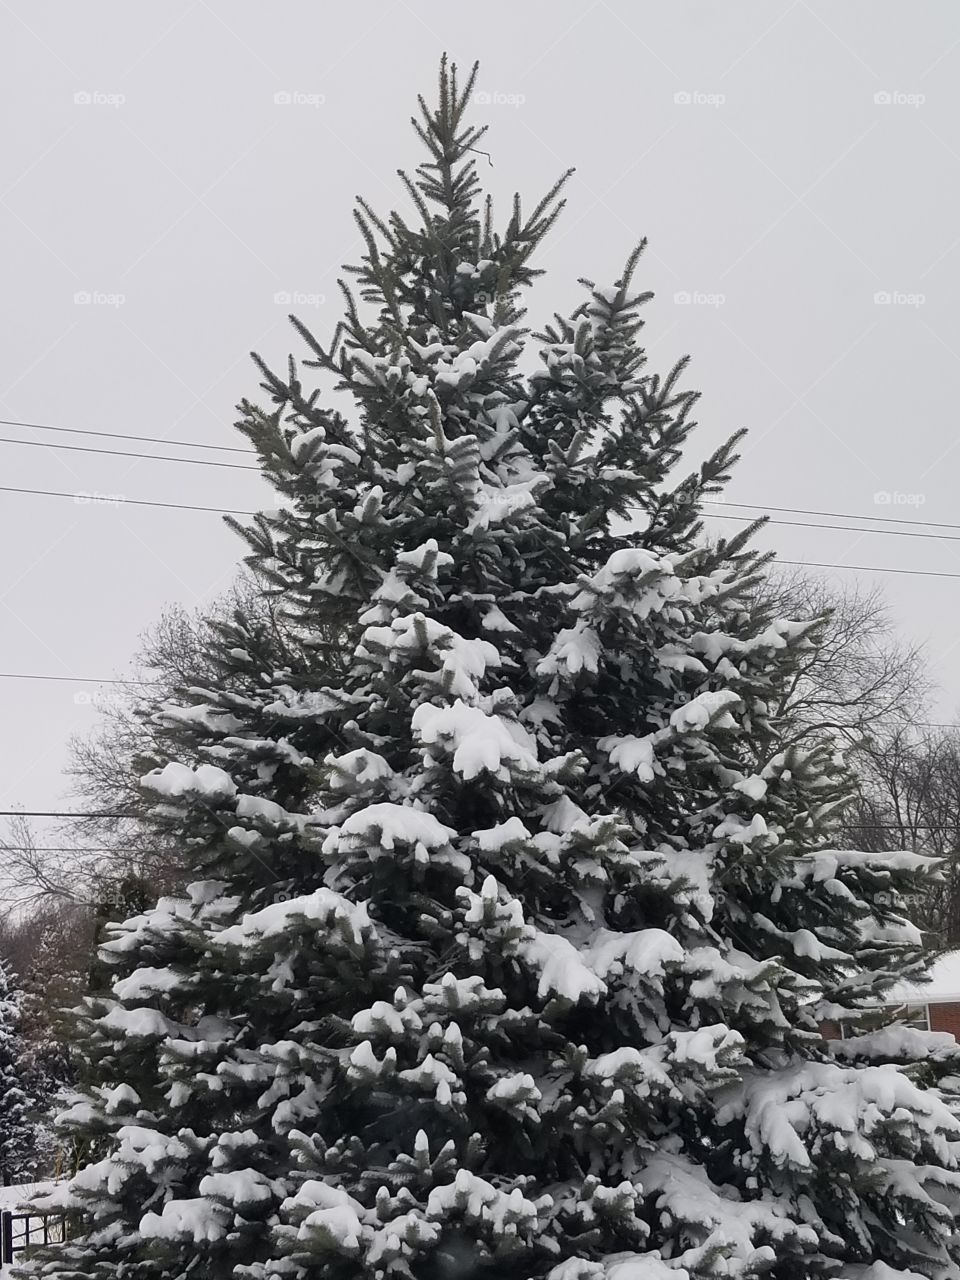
(945, 1016)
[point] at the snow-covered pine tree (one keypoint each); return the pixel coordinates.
(516, 921)
(22, 1091)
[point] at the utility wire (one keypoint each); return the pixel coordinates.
(866, 568)
(60, 813)
(843, 528)
(816, 524)
(119, 435)
(129, 453)
(73, 848)
(108, 500)
(832, 515)
(21, 675)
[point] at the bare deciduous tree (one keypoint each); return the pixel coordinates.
(860, 681)
(910, 798)
(90, 858)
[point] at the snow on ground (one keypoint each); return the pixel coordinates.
(13, 1197)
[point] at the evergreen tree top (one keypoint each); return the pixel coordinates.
(448, 428)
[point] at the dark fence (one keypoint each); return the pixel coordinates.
(18, 1231)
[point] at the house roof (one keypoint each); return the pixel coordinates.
(943, 987)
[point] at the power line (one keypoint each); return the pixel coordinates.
(867, 568)
(22, 675)
(129, 453)
(839, 515)
(119, 435)
(842, 528)
(904, 831)
(72, 848)
(832, 515)
(60, 813)
(108, 500)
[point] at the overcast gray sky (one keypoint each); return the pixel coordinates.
(789, 161)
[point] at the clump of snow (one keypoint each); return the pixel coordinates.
(463, 662)
(426, 559)
(734, 828)
(494, 505)
(645, 951)
(632, 755)
(563, 970)
(198, 1219)
(754, 787)
(330, 1212)
(480, 742)
(360, 768)
(711, 708)
(323, 909)
(496, 620)
(238, 1187)
(386, 825)
(495, 838)
(476, 1200)
(175, 781)
(148, 981)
